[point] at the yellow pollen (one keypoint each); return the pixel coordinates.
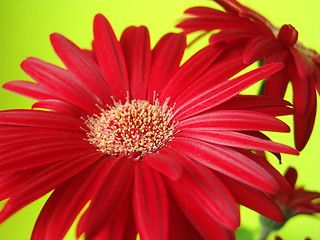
(132, 129)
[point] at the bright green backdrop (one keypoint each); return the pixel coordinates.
(25, 26)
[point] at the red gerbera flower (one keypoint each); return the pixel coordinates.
(241, 27)
(146, 145)
(297, 201)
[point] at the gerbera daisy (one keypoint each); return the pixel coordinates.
(241, 27)
(140, 143)
(296, 201)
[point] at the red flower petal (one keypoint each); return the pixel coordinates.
(82, 66)
(60, 83)
(234, 120)
(135, 44)
(303, 91)
(260, 47)
(113, 191)
(303, 127)
(65, 203)
(28, 89)
(228, 162)
(45, 181)
(291, 176)
(288, 35)
(205, 201)
(9, 183)
(224, 91)
(60, 106)
(209, 19)
(229, 35)
(264, 104)
(219, 72)
(165, 162)
(282, 184)
(41, 119)
(253, 199)
(235, 139)
(150, 203)
(110, 58)
(166, 58)
(189, 72)
(180, 226)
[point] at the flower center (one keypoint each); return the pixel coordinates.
(133, 129)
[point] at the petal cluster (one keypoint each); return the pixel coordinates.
(298, 200)
(242, 28)
(189, 188)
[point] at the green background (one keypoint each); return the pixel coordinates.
(25, 26)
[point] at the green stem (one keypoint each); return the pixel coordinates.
(265, 232)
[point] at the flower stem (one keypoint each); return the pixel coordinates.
(265, 231)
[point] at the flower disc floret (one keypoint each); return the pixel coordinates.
(133, 129)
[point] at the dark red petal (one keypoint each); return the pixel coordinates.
(228, 162)
(254, 102)
(235, 139)
(253, 199)
(150, 203)
(65, 203)
(28, 89)
(235, 8)
(260, 47)
(45, 181)
(165, 162)
(235, 120)
(283, 185)
(29, 156)
(306, 123)
(303, 125)
(316, 77)
(224, 91)
(207, 12)
(40, 119)
(60, 83)
(166, 58)
(110, 57)
(26, 138)
(10, 182)
(218, 20)
(180, 226)
(303, 91)
(84, 67)
(205, 201)
(276, 85)
(229, 35)
(288, 35)
(19, 134)
(120, 226)
(291, 176)
(219, 72)
(106, 202)
(60, 106)
(189, 72)
(302, 198)
(135, 44)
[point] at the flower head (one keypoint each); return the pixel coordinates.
(140, 142)
(242, 28)
(296, 201)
